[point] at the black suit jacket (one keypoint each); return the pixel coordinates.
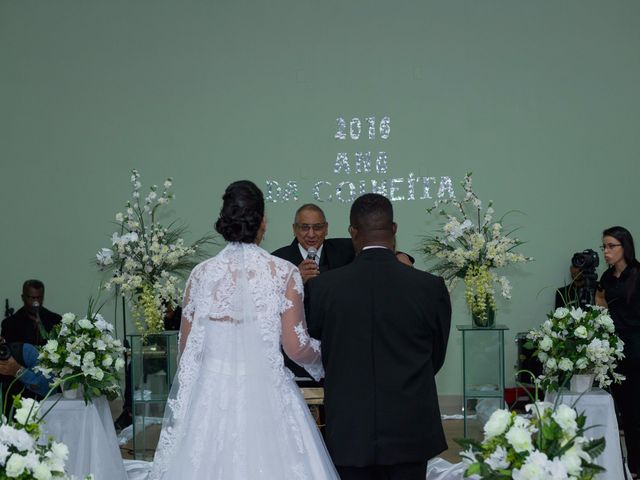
(384, 329)
(19, 327)
(336, 252)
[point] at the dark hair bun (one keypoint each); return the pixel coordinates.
(241, 213)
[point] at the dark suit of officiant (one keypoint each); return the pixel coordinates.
(336, 252)
(384, 329)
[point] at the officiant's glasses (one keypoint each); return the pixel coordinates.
(316, 227)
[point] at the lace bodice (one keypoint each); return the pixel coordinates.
(273, 287)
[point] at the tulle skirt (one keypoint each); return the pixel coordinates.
(239, 427)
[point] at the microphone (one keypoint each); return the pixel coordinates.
(36, 306)
(312, 253)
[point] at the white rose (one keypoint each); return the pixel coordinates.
(565, 416)
(497, 423)
(4, 453)
(561, 312)
(565, 364)
(520, 439)
(85, 323)
(15, 465)
(119, 363)
(542, 356)
(551, 364)
(572, 463)
(546, 343)
(581, 332)
(89, 357)
(59, 450)
(581, 363)
(107, 361)
(42, 472)
(97, 373)
(533, 469)
(68, 318)
(577, 313)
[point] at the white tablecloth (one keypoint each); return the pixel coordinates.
(89, 433)
(597, 405)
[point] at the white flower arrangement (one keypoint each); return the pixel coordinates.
(549, 443)
(148, 259)
(86, 349)
(471, 246)
(576, 341)
(24, 454)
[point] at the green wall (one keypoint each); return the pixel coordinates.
(538, 98)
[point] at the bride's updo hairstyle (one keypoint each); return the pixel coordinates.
(241, 213)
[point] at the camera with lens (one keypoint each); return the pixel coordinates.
(5, 351)
(586, 261)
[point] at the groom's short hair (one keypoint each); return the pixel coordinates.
(372, 211)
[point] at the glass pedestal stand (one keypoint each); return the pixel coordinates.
(482, 375)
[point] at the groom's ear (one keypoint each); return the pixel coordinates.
(394, 227)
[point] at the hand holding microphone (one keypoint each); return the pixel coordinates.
(309, 268)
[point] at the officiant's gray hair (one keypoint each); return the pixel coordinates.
(372, 211)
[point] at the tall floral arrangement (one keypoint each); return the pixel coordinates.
(85, 349)
(470, 247)
(147, 257)
(577, 341)
(24, 453)
(548, 443)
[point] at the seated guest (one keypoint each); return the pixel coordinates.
(567, 296)
(17, 361)
(310, 228)
(31, 323)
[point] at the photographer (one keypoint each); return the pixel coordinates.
(17, 361)
(620, 285)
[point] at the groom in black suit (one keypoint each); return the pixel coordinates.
(384, 328)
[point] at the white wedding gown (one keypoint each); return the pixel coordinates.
(234, 411)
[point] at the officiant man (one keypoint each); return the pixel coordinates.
(310, 228)
(384, 328)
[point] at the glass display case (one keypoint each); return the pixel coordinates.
(153, 366)
(482, 375)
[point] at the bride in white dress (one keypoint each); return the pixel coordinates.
(234, 411)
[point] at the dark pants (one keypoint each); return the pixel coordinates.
(400, 471)
(627, 397)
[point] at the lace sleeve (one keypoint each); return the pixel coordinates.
(188, 311)
(296, 342)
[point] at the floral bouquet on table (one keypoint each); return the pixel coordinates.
(577, 341)
(470, 247)
(549, 443)
(24, 454)
(148, 258)
(85, 349)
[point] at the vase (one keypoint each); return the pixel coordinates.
(487, 322)
(71, 393)
(581, 382)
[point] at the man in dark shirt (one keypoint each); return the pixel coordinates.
(567, 296)
(32, 323)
